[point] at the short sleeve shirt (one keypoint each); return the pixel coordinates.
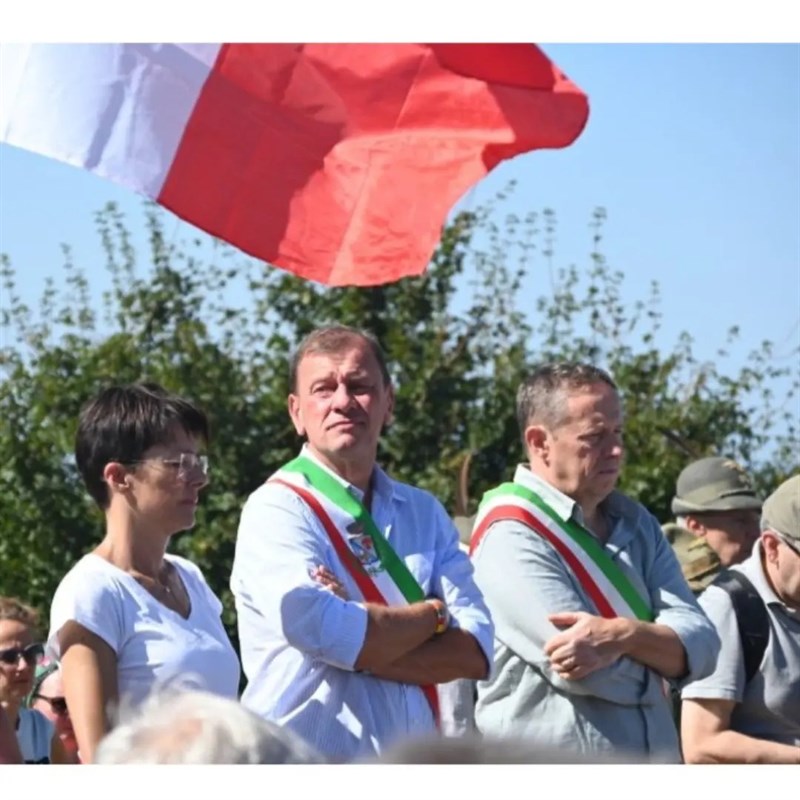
(769, 706)
(155, 646)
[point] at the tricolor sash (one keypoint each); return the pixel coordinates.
(600, 576)
(380, 574)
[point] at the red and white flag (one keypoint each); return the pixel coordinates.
(338, 162)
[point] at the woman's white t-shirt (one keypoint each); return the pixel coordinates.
(156, 647)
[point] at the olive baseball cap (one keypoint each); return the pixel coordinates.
(781, 511)
(714, 484)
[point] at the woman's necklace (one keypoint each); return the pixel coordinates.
(161, 582)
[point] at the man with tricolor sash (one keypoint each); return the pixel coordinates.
(592, 615)
(353, 597)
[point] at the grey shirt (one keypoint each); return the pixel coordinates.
(769, 706)
(619, 711)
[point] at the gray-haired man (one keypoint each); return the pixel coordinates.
(591, 612)
(727, 718)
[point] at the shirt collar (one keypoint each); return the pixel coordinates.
(614, 505)
(758, 577)
(382, 484)
(564, 506)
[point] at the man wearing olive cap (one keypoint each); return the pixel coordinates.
(726, 718)
(717, 514)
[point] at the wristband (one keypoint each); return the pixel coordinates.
(442, 614)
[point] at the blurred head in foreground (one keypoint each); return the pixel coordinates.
(200, 728)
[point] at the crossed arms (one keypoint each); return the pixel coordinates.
(541, 615)
(282, 554)
(400, 644)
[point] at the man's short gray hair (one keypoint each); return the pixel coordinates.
(193, 727)
(542, 396)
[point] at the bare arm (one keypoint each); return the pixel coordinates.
(590, 642)
(454, 654)
(394, 632)
(89, 667)
(9, 747)
(438, 659)
(707, 738)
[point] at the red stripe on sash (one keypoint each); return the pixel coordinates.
(366, 585)
(498, 513)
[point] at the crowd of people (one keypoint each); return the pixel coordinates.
(566, 626)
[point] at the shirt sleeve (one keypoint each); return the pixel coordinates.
(454, 582)
(92, 599)
(676, 607)
(279, 543)
(727, 681)
(524, 580)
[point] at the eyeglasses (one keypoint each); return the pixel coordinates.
(186, 464)
(58, 704)
(789, 543)
(32, 654)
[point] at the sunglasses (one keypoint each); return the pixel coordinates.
(58, 704)
(32, 654)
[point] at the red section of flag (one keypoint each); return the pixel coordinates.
(340, 162)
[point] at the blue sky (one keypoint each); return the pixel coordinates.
(694, 151)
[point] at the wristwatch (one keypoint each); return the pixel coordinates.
(442, 614)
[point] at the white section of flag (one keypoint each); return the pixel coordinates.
(118, 110)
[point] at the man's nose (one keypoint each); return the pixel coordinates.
(342, 398)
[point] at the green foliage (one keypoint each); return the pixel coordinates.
(457, 342)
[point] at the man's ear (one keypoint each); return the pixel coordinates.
(695, 526)
(537, 441)
(293, 404)
(770, 542)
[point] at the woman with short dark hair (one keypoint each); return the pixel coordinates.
(128, 617)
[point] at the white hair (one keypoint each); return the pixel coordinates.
(194, 727)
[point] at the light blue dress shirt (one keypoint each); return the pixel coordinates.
(299, 642)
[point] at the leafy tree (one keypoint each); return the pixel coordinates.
(457, 342)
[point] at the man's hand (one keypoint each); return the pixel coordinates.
(589, 643)
(329, 581)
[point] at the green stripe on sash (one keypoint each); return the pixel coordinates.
(585, 541)
(327, 485)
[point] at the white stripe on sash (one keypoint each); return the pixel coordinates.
(344, 523)
(615, 599)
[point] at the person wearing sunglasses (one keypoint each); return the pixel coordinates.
(129, 618)
(20, 652)
(47, 697)
(727, 718)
